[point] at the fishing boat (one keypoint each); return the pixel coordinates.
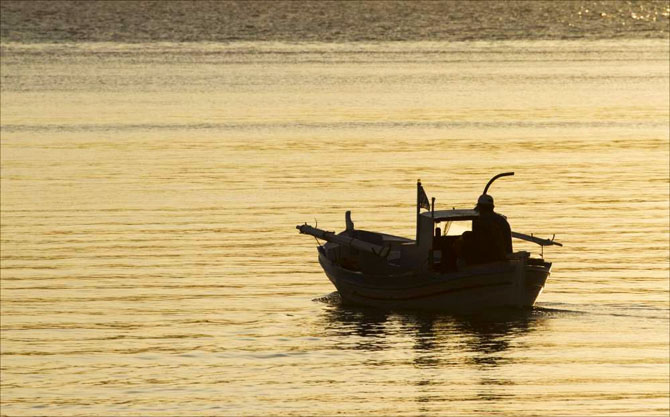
(435, 271)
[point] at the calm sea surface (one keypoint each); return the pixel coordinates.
(150, 192)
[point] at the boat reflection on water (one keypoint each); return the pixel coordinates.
(484, 334)
(438, 349)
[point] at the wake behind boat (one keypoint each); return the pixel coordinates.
(472, 271)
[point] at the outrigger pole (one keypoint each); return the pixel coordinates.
(344, 240)
(536, 240)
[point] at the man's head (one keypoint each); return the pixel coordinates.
(485, 203)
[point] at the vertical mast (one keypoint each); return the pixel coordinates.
(418, 208)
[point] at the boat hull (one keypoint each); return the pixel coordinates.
(515, 283)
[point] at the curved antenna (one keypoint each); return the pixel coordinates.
(504, 174)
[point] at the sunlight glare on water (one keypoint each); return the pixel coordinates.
(150, 192)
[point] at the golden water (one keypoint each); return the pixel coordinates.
(150, 192)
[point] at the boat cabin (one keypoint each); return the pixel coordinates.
(433, 239)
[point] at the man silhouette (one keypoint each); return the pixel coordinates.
(492, 232)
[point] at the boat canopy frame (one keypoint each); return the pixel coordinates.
(453, 215)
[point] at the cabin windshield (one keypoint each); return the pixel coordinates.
(455, 228)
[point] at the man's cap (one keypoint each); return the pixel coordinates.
(485, 200)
